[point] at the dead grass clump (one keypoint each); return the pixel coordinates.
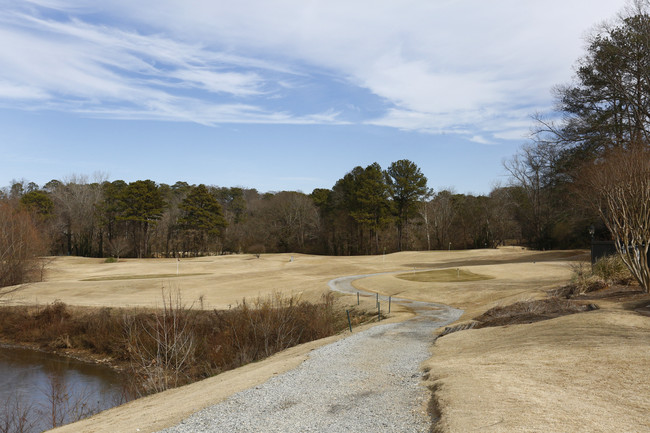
(613, 270)
(530, 311)
(606, 272)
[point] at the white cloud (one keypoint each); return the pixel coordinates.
(463, 67)
(480, 140)
(20, 92)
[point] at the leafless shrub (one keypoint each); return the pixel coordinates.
(529, 311)
(177, 344)
(583, 280)
(16, 415)
(161, 344)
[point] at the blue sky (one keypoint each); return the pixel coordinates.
(279, 95)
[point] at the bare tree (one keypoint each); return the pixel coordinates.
(425, 210)
(618, 187)
(162, 346)
(118, 246)
(443, 217)
(293, 219)
(501, 221)
(75, 202)
(21, 247)
(532, 170)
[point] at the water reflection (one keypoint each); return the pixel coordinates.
(53, 389)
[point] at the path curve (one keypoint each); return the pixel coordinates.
(369, 381)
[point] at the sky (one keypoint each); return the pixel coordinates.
(280, 95)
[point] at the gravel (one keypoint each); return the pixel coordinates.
(370, 381)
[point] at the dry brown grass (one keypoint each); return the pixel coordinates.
(580, 373)
(499, 371)
(513, 282)
(566, 372)
(142, 277)
(225, 280)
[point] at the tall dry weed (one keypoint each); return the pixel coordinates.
(177, 344)
(161, 344)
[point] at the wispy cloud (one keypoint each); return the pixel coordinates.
(12, 91)
(443, 67)
(95, 70)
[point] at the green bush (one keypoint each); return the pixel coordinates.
(110, 260)
(612, 270)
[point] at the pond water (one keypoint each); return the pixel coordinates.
(44, 389)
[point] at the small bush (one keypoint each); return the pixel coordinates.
(612, 270)
(583, 281)
(110, 260)
(605, 272)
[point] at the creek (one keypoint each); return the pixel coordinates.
(47, 388)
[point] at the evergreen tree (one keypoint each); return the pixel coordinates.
(143, 206)
(407, 186)
(202, 217)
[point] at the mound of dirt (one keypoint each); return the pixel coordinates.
(531, 311)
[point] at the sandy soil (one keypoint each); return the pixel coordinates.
(550, 376)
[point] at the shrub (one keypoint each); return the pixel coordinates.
(612, 270)
(586, 278)
(176, 344)
(583, 280)
(530, 311)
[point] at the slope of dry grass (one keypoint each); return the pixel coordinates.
(581, 373)
(222, 281)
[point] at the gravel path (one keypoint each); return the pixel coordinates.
(369, 381)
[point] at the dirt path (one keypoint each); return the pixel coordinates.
(370, 381)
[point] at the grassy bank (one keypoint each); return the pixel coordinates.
(536, 366)
(176, 344)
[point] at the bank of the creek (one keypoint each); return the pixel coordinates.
(45, 389)
(160, 349)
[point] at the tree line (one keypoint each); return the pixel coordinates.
(369, 210)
